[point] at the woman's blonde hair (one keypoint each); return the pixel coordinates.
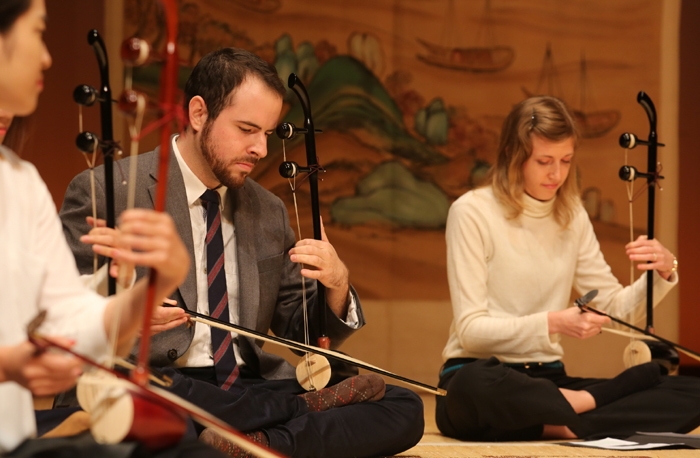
(548, 118)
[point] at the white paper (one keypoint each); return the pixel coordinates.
(618, 444)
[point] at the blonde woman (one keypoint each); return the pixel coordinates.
(515, 250)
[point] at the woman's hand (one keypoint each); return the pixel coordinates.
(102, 235)
(575, 323)
(643, 250)
(152, 241)
(42, 372)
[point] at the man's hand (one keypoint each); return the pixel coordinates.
(165, 318)
(152, 241)
(575, 323)
(327, 268)
(42, 372)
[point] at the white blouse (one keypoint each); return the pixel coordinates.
(37, 272)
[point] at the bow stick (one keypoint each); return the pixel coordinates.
(687, 351)
(225, 325)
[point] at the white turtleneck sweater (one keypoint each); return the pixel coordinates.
(506, 275)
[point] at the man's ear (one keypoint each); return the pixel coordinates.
(198, 113)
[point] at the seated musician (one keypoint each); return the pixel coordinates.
(515, 249)
(37, 269)
(233, 100)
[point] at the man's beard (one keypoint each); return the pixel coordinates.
(221, 170)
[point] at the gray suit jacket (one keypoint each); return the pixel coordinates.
(269, 283)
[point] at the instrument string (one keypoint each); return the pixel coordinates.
(307, 358)
(91, 166)
(630, 197)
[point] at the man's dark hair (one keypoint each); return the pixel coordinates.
(218, 74)
(10, 10)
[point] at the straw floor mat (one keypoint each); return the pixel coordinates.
(435, 445)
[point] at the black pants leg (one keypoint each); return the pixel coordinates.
(487, 401)
(245, 407)
(385, 427)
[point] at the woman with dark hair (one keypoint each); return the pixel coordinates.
(37, 269)
(13, 131)
(515, 249)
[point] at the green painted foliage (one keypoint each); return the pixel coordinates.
(390, 194)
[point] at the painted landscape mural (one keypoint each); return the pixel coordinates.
(411, 94)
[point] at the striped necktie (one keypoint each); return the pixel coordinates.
(224, 358)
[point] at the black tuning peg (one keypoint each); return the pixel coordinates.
(87, 142)
(630, 141)
(290, 169)
(630, 173)
(86, 95)
(287, 130)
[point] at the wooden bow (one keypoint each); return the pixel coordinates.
(293, 345)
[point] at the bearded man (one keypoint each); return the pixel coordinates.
(246, 268)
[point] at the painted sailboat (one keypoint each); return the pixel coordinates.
(592, 123)
(486, 57)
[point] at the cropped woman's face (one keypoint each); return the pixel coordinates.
(23, 59)
(548, 166)
(5, 121)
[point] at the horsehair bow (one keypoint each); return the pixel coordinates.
(170, 402)
(293, 345)
(687, 351)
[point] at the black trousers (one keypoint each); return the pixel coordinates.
(384, 427)
(488, 401)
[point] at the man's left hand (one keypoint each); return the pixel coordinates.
(327, 268)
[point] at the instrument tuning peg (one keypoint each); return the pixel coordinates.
(630, 141)
(86, 95)
(130, 101)
(630, 173)
(87, 142)
(287, 130)
(135, 51)
(290, 169)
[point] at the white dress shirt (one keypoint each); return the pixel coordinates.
(37, 272)
(200, 352)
